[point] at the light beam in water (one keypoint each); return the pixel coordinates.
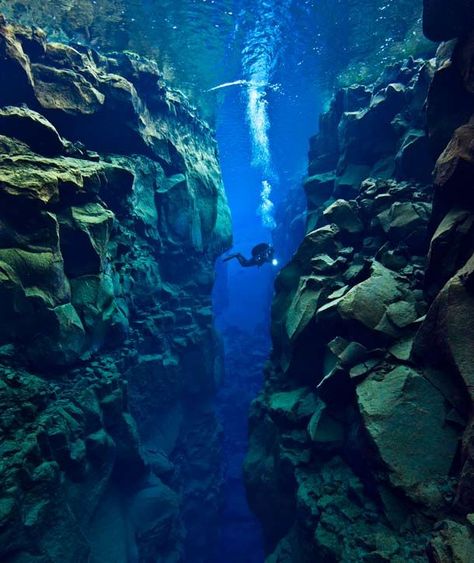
(274, 87)
(228, 85)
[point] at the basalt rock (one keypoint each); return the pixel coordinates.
(444, 341)
(443, 20)
(405, 418)
(112, 213)
(448, 96)
(370, 468)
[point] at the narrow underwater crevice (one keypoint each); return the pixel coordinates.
(243, 330)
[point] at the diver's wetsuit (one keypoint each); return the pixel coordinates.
(261, 254)
(244, 262)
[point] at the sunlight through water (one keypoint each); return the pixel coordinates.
(259, 58)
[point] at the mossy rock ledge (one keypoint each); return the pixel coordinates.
(112, 213)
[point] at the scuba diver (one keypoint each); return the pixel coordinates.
(261, 254)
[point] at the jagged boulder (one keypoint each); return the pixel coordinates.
(451, 245)
(449, 97)
(407, 222)
(345, 215)
(405, 417)
(303, 306)
(292, 407)
(448, 329)
(367, 135)
(454, 542)
(454, 168)
(94, 299)
(325, 430)
(64, 453)
(65, 90)
(320, 241)
(414, 160)
(367, 303)
(318, 189)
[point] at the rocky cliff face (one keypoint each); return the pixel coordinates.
(361, 441)
(112, 213)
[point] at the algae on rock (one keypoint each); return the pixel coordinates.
(112, 212)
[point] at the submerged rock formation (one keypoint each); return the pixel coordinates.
(189, 38)
(112, 213)
(361, 440)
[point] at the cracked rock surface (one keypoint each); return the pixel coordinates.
(361, 440)
(112, 212)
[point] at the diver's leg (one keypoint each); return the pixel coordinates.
(245, 262)
(242, 260)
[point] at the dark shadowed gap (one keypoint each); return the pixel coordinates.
(242, 297)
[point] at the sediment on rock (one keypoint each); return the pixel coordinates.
(355, 440)
(112, 213)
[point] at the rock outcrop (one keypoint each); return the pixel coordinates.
(360, 442)
(444, 343)
(112, 213)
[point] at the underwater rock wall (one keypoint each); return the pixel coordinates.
(112, 212)
(360, 442)
(290, 219)
(444, 344)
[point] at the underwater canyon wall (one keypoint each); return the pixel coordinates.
(112, 213)
(361, 442)
(199, 43)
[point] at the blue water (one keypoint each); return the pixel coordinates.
(262, 132)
